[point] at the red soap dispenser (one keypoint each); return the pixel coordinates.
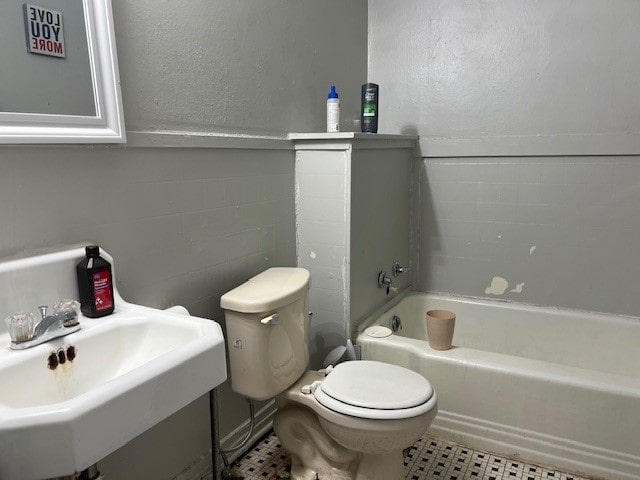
(95, 284)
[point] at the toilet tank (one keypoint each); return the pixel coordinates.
(267, 323)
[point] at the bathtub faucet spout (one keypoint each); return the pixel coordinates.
(396, 324)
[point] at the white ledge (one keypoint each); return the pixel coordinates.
(170, 139)
(355, 140)
(297, 141)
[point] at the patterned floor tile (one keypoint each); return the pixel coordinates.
(427, 459)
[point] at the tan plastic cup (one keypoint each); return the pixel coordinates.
(440, 325)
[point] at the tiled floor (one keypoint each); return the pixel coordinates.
(428, 459)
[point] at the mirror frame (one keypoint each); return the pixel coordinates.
(107, 126)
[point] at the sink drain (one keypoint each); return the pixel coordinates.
(61, 356)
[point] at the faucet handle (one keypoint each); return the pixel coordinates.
(70, 309)
(43, 310)
(21, 326)
(383, 280)
(66, 305)
(397, 269)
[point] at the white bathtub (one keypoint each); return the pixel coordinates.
(554, 386)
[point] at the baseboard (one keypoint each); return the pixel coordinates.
(198, 470)
(533, 447)
(201, 468)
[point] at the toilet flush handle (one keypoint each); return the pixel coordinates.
(273, 319)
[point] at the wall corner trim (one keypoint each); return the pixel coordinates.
(532, 145)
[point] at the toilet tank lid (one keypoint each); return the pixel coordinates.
(269, 290)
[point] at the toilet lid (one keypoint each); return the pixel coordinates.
(360, 388)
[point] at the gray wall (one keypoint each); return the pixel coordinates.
(183, 225)
(186, 224)
(565, 228)
(517, 97)
(508, 77)
(240, 66)
(380, 226)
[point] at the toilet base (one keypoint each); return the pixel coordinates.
(312, 451)
(388, 466)
(314, 454)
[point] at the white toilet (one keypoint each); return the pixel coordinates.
(352, 423)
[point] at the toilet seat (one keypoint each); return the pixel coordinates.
(375, 390)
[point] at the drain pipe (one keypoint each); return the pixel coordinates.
(90, 473)
(215, 437)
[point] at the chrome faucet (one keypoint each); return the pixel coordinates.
(26, 334)
(398, 269)
(384, 281)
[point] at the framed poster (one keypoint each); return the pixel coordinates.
(43, 31)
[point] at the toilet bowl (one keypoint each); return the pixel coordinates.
(349, 423)
(375, 437)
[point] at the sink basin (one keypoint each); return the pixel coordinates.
(68, 403)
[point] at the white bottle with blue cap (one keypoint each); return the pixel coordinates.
(333, 110)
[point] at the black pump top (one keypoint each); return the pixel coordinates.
(92, 251)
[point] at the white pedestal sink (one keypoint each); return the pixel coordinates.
(129, 371)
